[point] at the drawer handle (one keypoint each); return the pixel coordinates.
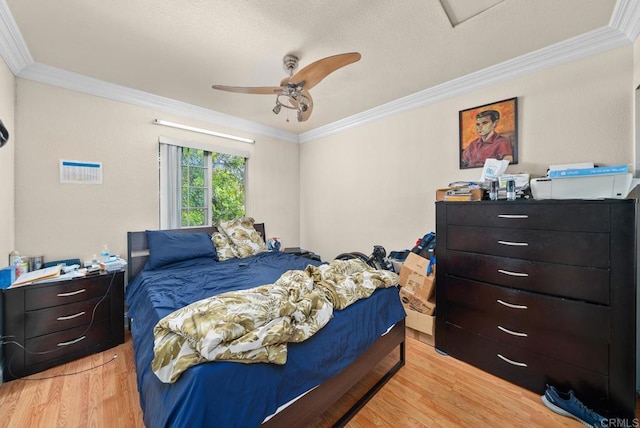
(515, 363)
(513, 244)
(71, 342)
(507, 272)
(513, 216)
(511, 332)
(511, 305)
(71, 293)
(70, 317)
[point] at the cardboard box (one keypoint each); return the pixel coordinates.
(415, 304)
(422, 337)
(420, 322)
(413, 263)
(416, 285)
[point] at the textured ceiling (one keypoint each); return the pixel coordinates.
(178, 48)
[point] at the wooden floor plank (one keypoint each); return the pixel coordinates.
(431, 390)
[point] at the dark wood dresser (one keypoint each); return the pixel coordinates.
(56, 322)
(542, 292)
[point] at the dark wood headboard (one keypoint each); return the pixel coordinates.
(138, 248)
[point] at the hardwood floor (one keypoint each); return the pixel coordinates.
(103, 394)
(431, 390)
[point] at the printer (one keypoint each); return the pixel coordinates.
(615, 186)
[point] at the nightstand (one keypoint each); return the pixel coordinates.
(302, 253)
(57, 322)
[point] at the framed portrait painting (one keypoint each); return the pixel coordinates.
(489, 131)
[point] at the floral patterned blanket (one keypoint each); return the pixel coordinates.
(255, 325)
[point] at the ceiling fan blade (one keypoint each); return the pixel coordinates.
(304, 115)
(313, 73)
(266, 90)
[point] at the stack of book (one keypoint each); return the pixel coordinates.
(469, 192)
(114, 264)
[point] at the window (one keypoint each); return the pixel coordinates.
(194, 189)
(200, 185)
(228, 186)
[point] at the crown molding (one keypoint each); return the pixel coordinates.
(13, 48)
(626, 18)
(77, 82)
(623, 28)
(578, 47)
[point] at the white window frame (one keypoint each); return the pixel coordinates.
(171, 178)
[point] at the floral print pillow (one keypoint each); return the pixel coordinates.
(245, 239)
(224, 247)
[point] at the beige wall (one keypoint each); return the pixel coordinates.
(384, 174)
(636, 63)
(636, 84)
(372, 184)
(69, 220)
(7, 109)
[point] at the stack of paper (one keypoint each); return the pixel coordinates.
(37, 275)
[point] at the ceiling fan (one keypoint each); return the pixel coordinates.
(293, 92)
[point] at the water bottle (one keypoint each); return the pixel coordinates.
(13, 258)
(493, 190)
(104, 254)
(16, 263)
(511, 190)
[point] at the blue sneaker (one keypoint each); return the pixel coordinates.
(566, 404)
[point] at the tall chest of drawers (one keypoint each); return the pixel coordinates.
(56, 322)
(542, 292)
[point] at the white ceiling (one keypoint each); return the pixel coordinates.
(170, 52)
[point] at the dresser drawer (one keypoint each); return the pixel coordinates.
(57, 318)
(37, 297)
(526, 368)
(576, 282)
(523, 311)
(575, 350)
(573, 248)
(577, 217)
(59, 344)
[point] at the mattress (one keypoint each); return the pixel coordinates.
(235, 394)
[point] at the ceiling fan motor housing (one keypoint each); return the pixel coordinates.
(290, 64)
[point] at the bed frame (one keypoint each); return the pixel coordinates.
(138, 248)
(310, 406)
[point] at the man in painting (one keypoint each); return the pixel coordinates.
(489, 143)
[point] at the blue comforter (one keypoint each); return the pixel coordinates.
(225, 394)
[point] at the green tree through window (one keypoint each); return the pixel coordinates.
(213, 187)
(228, 186)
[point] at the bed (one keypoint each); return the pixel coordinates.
(317, 373)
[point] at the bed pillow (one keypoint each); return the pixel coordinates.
(170, 247)
(224, 247)
(245, 239)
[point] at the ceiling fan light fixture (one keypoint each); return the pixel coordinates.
(277, 108)
(285, 101)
